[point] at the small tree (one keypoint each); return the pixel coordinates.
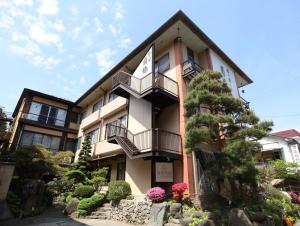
(223, 121)
(85, 155)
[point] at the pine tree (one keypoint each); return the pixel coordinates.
(224, 123)
(85, 155)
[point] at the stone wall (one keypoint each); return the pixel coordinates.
(130, 211)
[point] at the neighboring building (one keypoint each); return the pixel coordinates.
(280, 145)
(135, 113)
(44, 119)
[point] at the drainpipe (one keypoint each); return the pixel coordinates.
(195, 173)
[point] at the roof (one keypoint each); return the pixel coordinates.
(179, 16)
(287, 133)
(29, 92)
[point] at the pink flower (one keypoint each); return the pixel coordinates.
(156, 194)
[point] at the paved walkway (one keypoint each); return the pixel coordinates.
(54, 217)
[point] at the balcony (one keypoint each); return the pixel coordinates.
(43, 119)
(90, 119)
(245, 103)
(159, 89)
(190, 69)
(112, 107)
(151, 142)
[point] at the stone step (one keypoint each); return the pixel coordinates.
(104, 209)
(99, 213)
(106, 205)
(101, 217)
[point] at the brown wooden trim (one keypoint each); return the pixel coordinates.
(209, 61)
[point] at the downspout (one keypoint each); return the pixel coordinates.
(195, 173)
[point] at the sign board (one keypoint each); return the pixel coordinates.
(146, 65)
(164, 171)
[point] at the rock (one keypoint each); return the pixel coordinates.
(257, 216)
(175, 210)
(174, 221)
(4, 210)
(34, 191)
(158, 214)
(197, 214)
(207, 223)
(185, 214)
(237, 217)
(186, 221)
(71, 207)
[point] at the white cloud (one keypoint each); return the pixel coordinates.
(103, 9)
(37, 33)
(124, 42)
(48, 7)
(6, 21)
(113, 29)
(46, 62)
(74, 10)
(99, 25)
(59, 26)
(119, 16)
(104, 60)
(82, 80)
(75, 32)
(29, 49)
(23, 2)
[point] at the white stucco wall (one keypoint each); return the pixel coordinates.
(271, 143)
(140, 115)
(217, 62)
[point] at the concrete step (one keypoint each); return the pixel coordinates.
(99, 213)
(101, 217)
(106, 205)
(104, 209)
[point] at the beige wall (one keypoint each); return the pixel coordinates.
(138, 175)
(16, 122)
(43, 130)
(169, 118)
(140, 115)
(50, 102)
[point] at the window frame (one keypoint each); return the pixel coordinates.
(157, 64)
(97, 105)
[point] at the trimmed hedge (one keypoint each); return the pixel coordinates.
(83, 191)
(118, 190)
(89, 204)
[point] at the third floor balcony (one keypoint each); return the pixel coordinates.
(158, 89)
(190, 69)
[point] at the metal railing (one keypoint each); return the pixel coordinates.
(43, 119)
(245, 103)
(141, 85)
(154, 139)
(190, 67)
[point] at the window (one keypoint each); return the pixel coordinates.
(82, 116)
(50, 142)
(108, 175)
(47, 114)
(111, 97)
(163, 64)
(94, 136)
(97, 105)
(71, 144)
(73, 116)
(190, 54)
(78, 143)
(121, 171)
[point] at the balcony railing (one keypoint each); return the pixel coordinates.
(191, 69)
(141, 85)
(154, 139)
(245, 103)
(43, 119)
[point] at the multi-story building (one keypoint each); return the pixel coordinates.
(280, 145)
(44, 119)
(135, 113)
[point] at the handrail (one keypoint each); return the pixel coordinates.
(194, 67)
(47, 117)
(141, 85)
(154, 139)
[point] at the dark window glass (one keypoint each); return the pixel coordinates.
(78, 143)
(190, 54)
(108, 176)
(121, 171)
(52, 115)
(44, 114)
(94, 136)
(71, 145)
(111, 97)
(73, 116)
(97, 105)
(163, 64)
(82, 116)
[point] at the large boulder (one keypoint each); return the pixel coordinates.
(158, 214)
(238, 217)
(257, 216)
(33, 190)
(186, 221)
(71, 206)
(175, 210)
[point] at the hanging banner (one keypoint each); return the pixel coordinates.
(146, 65)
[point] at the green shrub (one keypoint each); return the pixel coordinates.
(77, 175)
(89, 204)
(118, 190)
(84, 191)
(69, 196)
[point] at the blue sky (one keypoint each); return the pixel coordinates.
(63, 47)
